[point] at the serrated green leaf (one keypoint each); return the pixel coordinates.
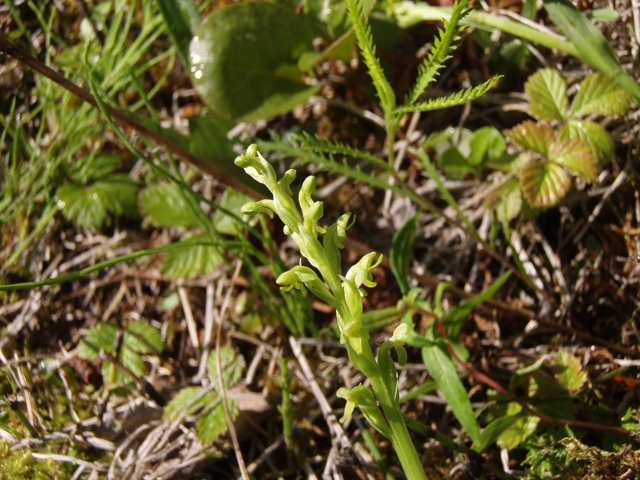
(595, 135)
(443, 370)
(214, 423)
(88, 206)
(533, 136)
(592, 47)
(143, 338)
(600, 95)
(164, 205)
(487, 144)
(232, 201)
(188, 400)
(401, 252)
(577, 156)
(232, 366)
(568, 371)
(132, 361)
(190, 261)
(519, 431)
(547, 93)
(544, 183)
(80, 206)
(118, 193)
(244, 60)
(101, 337)
(506, 201)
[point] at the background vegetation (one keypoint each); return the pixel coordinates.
(143, 332)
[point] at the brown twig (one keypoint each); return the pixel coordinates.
(125, 119)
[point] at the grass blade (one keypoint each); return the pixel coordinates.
(593, 49)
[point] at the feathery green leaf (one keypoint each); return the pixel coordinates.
(368, 50)
(443, 45)
(458, 98)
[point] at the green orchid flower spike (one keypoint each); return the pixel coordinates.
(380, 403)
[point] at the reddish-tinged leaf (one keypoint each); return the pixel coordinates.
(547, 93)
(600, 95)
(544, 183)
(577, 156)
(532, 136)
(594, 134)
(568, 371)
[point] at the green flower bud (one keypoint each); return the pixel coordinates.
(286, 180)
(360, 273)
(362, 397)
(263, 206)
(299, 275)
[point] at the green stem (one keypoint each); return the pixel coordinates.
(400, 437)
(409, 14)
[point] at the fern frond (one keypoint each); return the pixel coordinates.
(368, 50)
(319, 145)
(458, 98)
(440, 52)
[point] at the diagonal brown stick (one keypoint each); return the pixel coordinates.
(16, 52)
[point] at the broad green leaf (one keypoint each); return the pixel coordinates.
(190, 261)
(577, 156)
(101, 337)
(519, 431)
(492, 431)
(455, 163)
(600, 95)
(188, 400)
(443, 370)
(182, 20)
(244, 60)
(547, 93)
(130, 360)
(544, 183)
(487, 144)
(231, 364)
(232, 201)
(549, 397)
(165, 205)
(118, 194)
(401, 253)
(533, 136)
(568, 371)
(594, 134)
(591, 45)
(208, 141)
(80, 206)
(506, 201)
(214, 423)
(143, 338)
